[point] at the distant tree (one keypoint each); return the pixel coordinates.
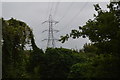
(57, 63)
(79, 71)
(105, 66)
(87, 48)
(98, 67)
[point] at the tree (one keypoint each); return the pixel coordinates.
(103, 30)
(16, 34)
(104, 33)
(58, 61)
(98, 67)
(89, 48)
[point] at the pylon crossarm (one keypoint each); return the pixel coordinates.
(44, 39)
(56, 30)
(57, 39)
(55, 22)
(50, 39)
(44, 22)
(44, 31)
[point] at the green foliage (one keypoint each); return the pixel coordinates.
(57, 63)
(103, 30)
(78, 71)
(104, 33)
(15, 37)
(89, 48)
(99, 67)
(61, 63)
(64, 38)
(106, 66)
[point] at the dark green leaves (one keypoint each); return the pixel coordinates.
(75, 34)
(64, 38)
(103, 29)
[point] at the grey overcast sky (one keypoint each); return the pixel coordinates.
(70, 14)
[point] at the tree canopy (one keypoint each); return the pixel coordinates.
(103, 30)
(97, 60)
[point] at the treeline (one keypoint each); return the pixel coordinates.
(97, 60)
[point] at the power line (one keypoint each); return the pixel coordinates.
(56, 8)
(47, 11)
(77, 14)
(51, 22)
(51, 9)
(68, 8)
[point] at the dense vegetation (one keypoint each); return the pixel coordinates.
(99, 59)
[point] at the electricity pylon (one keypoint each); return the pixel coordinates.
(50, 39)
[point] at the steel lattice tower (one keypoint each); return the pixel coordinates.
(50, 39)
